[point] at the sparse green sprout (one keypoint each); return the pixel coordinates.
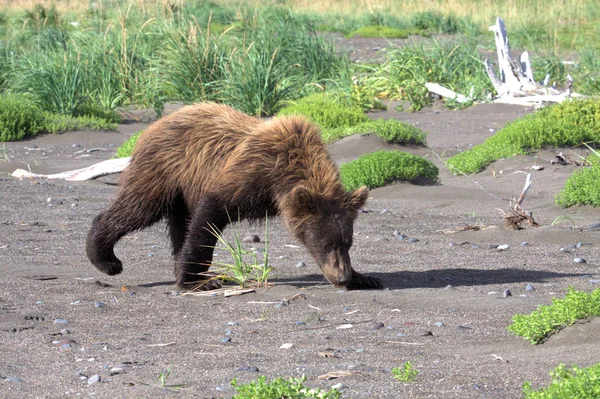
(380, 168)
(405, 373)
(576, 382)
(549, 319)
(279, 388)
(246, 273)
(163, 378)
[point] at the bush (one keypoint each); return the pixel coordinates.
(383, 31)
(127, 147)
(582, 188)
(379, 168)
(580, 383)
(549, 319)
(280, 388)
(19, 118)
(325, 111)
(566, 124)
(391, 130)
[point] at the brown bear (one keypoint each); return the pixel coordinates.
(207, 164)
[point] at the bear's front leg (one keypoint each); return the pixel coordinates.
(195, 257)
(362, 282)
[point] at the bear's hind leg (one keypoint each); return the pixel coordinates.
(177, 224)
(196, 254)
(110, 226)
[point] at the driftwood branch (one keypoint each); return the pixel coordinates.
(516, 215)
(91, 172)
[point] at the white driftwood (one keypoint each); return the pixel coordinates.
(516, 84)
(91, 172)
(444, 92)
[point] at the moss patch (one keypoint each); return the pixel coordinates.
(392, 131)
(379, 168)
(582, 188)
(549, 319)
(384, 31)
(562, 125)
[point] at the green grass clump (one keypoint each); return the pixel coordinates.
(126, 148)
(391, 130)
(383, 31)
(379, 168)
(563, 125)
(406, 373)
(580, 383)
(582, 188)
(549, 319)
(292, 388)
(19, 118)
(323, 110)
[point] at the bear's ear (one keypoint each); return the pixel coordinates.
(357, 198)
(303, 201)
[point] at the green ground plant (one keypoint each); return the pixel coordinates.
(20, 117)
(391, 130)
(581, 188)
(127, 147)
(576, 382)
(563, 125)
(380, 168)
(246, 273)
(405, 373)
(278, 388)
(384, 31)
(324, 110)
(549, 319)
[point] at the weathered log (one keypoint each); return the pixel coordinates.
(103, 168)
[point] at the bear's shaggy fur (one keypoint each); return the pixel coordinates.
(207, 164)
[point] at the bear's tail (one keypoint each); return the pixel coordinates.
(110, 226)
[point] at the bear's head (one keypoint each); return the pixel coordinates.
(325, 227)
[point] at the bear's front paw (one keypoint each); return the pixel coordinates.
(209, 281)
(362, 282)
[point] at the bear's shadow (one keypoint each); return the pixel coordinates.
(429, 279)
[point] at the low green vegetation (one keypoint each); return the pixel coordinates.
(326, 112)
(549, 319)
(563, 125)
(391, 130)
(127, 147)
(380, 168)
(384, 31)
(21, 117)
(576, 382)
(405, 373)
(278, 388)
(582, 188)
(245, 273)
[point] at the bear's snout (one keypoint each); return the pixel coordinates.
(336, 267)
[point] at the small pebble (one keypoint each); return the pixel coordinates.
(493, 246)
(300, 323)
(39, 302)
(507, 293)
(93, 379)
(251, 369)
(118, 369)
(251, 238)
(225, 340)
(384, 211)
(286, 346)
(64, 331)
(594, 226)
(427, 334)
(529, 287)
(280, 305)
(439, 324)
(12, 379)
(337, 386)
(377, 325)
(503, 247)
(579, 260)
(524, 244)
(61, 321)
(412, 240)
(396, 233)
(99, 304)
(564, 250)
(401, 237)
(448, 287)
(595, 281)
(474, 246)
(300, 264)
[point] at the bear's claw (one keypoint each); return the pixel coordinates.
(362, 282)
